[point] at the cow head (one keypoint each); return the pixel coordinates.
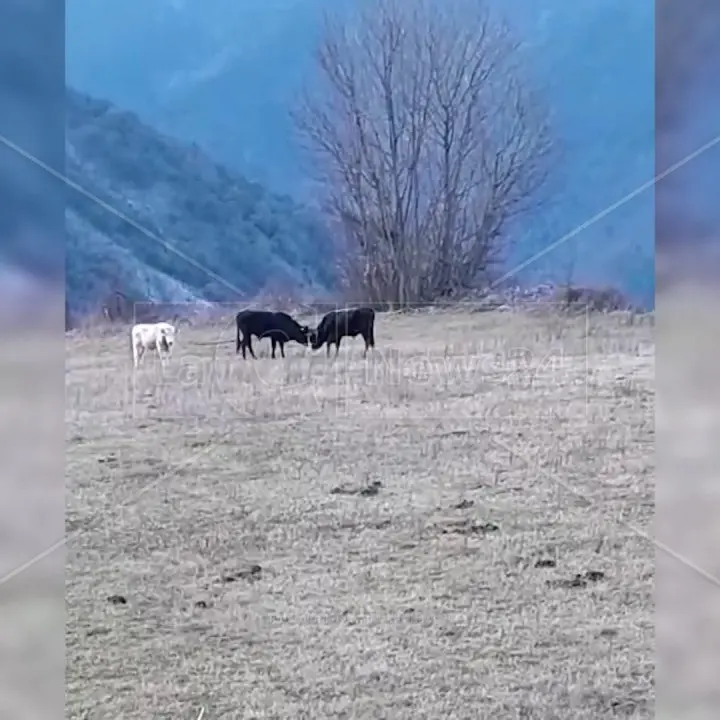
(167, 338)
(320, 335)
(315, 339)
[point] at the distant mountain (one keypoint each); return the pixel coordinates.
(173, 195)
(221, 73)
(224, 74)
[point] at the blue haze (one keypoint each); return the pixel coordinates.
(224, 74)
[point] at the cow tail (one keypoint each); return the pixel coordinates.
(371, 339)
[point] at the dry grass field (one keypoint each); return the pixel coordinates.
(456, 527)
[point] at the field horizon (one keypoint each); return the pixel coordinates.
(456, 526)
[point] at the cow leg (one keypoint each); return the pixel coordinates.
(274, 345)
(329, 345)
(164, 357)
(282, 349)
(337, 346)
(250, 347)
(368, 345)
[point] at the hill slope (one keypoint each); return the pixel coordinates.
(234, 228)
(224, 74)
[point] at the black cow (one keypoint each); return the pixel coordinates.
(278, 326)
(345, 323)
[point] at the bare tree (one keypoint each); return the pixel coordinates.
(427, 141)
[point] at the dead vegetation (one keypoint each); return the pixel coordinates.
(454, 528)
(427, 144)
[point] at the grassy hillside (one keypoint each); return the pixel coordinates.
(233, 227)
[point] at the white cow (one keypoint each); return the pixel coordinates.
(152, 336)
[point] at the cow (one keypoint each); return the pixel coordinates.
(158, 336)
(338, 324)
(278, 326)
